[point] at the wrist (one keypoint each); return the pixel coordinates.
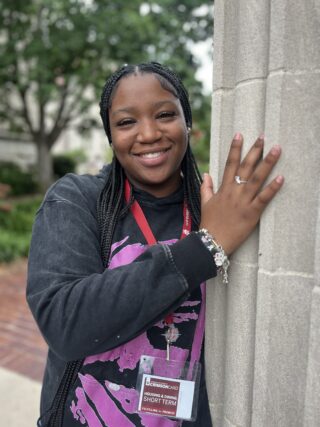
(219, 256)
(221, 238)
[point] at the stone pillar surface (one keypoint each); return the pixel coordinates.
(263, 328)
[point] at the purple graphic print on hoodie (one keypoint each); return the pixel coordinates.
(96, 402)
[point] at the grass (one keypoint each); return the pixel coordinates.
(16, 227)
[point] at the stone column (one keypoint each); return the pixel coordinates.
(263, 328)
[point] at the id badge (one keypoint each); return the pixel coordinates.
(168, 388)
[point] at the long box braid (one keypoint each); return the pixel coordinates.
(111, 204)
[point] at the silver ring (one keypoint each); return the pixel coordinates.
(239, 180)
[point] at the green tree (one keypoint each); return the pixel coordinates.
(56, 55)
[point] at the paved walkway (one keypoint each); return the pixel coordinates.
(19, 400)
(22, 351)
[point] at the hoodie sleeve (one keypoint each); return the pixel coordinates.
(82, 308)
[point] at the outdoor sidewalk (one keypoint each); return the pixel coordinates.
(22, 351)
(19, 399)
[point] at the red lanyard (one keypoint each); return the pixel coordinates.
(143, 223)
(146, 230)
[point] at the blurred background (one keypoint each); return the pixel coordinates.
(55, 58)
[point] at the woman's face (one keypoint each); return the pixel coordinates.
(149, 133)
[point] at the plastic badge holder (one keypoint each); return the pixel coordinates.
(168, 388)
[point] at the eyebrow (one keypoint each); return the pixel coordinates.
(131, 109)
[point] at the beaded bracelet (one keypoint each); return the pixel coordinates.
(220, 258)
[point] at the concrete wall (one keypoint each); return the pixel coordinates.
(263, 328)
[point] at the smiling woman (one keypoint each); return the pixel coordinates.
(118, 262)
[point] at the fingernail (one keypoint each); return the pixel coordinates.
(275, 149)
(259, 142)
(238, 136)
(262, 135)
(280, 179)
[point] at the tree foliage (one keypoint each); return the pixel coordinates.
(57, 54)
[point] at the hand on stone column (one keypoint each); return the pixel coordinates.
(231, 213)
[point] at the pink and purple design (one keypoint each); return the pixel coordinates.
(96, 403)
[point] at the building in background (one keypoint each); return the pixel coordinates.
(22, 151)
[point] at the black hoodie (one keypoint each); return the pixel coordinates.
(109, 317)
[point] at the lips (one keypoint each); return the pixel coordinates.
(152, 154)
(153, 158)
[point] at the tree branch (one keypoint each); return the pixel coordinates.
(65, 116)
(59, 128)
(54, 133)
(25, 111)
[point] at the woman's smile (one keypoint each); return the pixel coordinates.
(153, 158)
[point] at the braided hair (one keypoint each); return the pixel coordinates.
(111, 205)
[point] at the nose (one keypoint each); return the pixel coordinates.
(148, 132)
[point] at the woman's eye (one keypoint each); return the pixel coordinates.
(125, 122)
(166, 114)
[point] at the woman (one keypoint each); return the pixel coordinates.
(118, 262)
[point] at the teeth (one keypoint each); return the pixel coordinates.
(152, 155)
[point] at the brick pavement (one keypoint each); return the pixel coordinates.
(22, 349)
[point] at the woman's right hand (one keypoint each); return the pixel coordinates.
(231, 213)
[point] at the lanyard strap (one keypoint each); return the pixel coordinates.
(147, 232)
(143, 223)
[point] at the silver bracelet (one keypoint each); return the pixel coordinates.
(220, 258)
